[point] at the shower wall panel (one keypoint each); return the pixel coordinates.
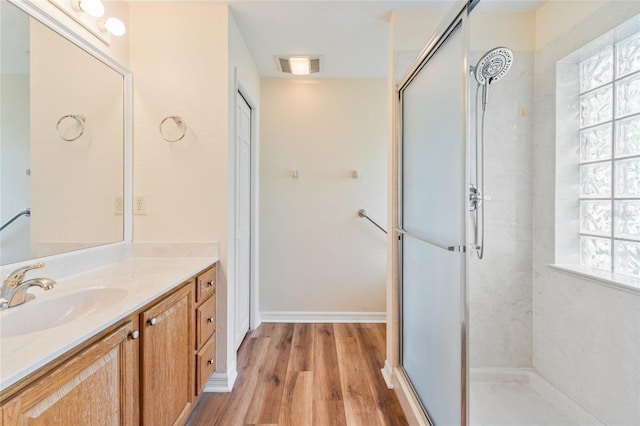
(586, 335)
(500, 285)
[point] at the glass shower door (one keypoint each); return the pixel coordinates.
(432, 262)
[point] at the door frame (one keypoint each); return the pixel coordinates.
(411, 404)
(254, 313)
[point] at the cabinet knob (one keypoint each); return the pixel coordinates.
(210, 283)
(134, 334)
(152, 321)
(210, 319)
(211, 361)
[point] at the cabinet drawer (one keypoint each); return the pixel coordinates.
(205, 363)
(206, 321)
(206, 284)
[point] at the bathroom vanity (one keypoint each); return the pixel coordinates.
(140, 355)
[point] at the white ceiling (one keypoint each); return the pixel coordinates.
(351, 36)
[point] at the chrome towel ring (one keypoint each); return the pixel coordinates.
(181, 128)
(80, 120)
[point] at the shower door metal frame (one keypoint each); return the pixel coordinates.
(458, 17)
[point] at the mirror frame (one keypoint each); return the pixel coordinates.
(77, 261)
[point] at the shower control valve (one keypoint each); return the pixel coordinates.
(476, 198)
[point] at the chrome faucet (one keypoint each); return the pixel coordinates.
(14, 289)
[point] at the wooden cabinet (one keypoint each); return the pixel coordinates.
(167, 364)
(146, 370)
(205, 355)
(206, 284)
(205, 321)
(96, 386)
(205, 364)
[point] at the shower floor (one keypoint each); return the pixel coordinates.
(519, 397)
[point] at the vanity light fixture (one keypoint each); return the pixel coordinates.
(91, 15)
(112, 25)
(93, 8)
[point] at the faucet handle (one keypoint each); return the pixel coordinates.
(18, 275)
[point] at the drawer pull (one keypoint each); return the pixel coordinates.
(134, 334)
(210, 283)
(153, 321)
(211, 361)
(210, 319)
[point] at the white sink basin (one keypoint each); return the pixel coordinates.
(36, 315)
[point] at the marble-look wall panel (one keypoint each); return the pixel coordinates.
(500, 285)
(588, 345)
(586, 335)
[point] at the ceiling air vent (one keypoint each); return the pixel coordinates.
(298, 65)
(315, 65)
(284, 65)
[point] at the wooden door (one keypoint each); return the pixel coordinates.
(167, 370)
(95, 387)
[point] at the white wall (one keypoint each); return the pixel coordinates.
(242, 75)
(179, 54)
(73, 184)
(179, 57)
(409, 31)
(316, 254)
(412, 29)
(586, 335)
(14, 132)
(558, 17)
(185, 57)
(240, 59)
(14, 161)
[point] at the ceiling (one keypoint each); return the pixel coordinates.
(351, 36)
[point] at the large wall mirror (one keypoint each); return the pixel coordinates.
(62, 143)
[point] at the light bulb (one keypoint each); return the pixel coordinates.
(299, 65)
(94, 8)
(115, 27)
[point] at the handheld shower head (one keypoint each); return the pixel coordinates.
(490, 68)
(493, 65)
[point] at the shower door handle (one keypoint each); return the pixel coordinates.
(430, 241)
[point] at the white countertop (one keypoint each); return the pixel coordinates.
(144, 280)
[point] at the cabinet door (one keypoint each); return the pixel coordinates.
(95, 387)
(167, 360)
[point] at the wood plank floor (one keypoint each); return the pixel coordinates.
(304, 375)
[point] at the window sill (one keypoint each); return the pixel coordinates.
(616, 281)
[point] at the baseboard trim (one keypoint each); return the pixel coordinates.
(387, 373)
(221, 382)
(323, 317)
(408, 401)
